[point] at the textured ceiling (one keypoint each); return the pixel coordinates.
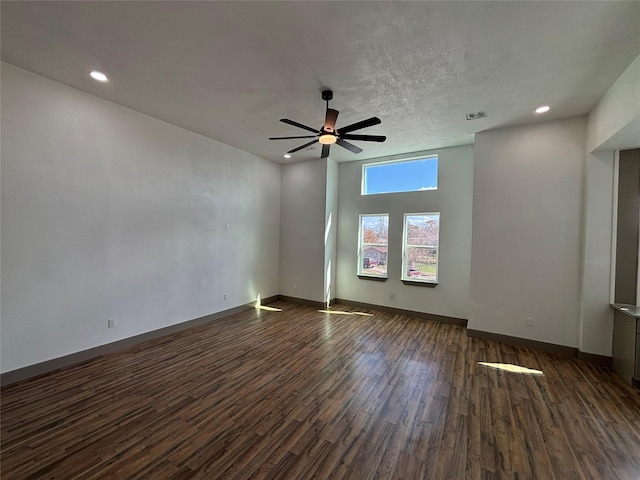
(230, 70)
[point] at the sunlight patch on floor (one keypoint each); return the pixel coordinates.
(509, 367)
(259, 306)
(270, 309)
(342, 312)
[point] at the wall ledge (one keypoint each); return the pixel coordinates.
(37, 369)
(48, 366)
(303, 301)
(409, 313)
(601, 360)
(524, 342)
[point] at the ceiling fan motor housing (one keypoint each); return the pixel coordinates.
(327, 135)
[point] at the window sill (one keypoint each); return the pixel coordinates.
(419, 284)
(375, 279)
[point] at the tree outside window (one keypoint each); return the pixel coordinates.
(373, 245)
(421, 238)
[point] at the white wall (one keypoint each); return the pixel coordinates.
(331, 231)
(110, 213)
(596, 321)
(302, 249)
(453, 199)
(527, 231)
(614, 123)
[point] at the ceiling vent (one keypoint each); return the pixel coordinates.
(476, 115)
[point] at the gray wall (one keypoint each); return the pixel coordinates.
(108, 213)
(453, 199)
(331, 231)
(627, 233)
(527, 231)
(596, 317)
(302, 250)
(614, 123)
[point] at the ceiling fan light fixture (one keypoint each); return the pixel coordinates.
(327, 139)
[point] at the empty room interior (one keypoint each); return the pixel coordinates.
(295, 240)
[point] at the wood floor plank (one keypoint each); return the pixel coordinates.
(300, 394)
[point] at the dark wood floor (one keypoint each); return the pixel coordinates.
(300, 394)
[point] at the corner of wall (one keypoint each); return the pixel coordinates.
(614, 123)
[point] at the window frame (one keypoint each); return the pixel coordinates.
(360, 270)
(404, 275)
(363, 177)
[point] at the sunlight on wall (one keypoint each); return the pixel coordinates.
(327, 296)
(509, 367)
(327, 230)
(327, 273)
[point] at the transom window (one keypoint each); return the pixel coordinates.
(373, 245)
(421, 237)
(413, 175)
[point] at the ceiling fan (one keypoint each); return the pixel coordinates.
(328, 135)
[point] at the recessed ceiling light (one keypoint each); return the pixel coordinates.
(96, 75)
(286, 155)
(543, 109)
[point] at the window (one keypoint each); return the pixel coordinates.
(420, 247)
(413, 175)
(373, 242)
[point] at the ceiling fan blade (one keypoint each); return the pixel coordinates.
(325, 151)
(365, 138)
(330, 120)
(299, 125)
(357, 126)
(302, 146)
(349, 146)
(289, 138)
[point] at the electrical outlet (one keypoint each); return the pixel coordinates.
(111, 323)
(392, 295)
(529, 321)
(226, 297)
(227, 227)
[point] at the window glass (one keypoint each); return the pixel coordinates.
(421, 237)
(400, 176)
(373, 245)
